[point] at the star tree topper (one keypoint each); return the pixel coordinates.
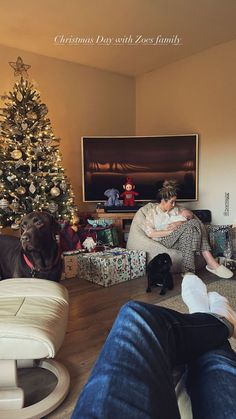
(20, 69)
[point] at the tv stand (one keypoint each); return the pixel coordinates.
(119, 219)
(121, 209)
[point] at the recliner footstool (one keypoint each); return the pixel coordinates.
(33, 320)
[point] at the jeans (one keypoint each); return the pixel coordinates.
(132, 378)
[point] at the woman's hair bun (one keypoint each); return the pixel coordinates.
(170, 184)
(168, 190)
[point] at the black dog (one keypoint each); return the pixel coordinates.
(36, 253)
(158, 273)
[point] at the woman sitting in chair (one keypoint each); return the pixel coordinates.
(169, 225)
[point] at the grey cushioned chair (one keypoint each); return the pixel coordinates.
(138, 240)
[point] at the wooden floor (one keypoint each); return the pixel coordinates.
(92, 311)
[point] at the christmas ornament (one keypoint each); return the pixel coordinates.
(53, 207)
(32, 188)
(63, 186)
(20, 69)
(4, 203)
(11, 178)
(1, 186)
(37, 150)
(31, 115)
(16, 131)
(24, 126)
(19, 163)
(55, 191)
(21, 190)
(19, 96)
(1, 172)
(15, 205)
(44, 182)
(16, 154)
(43, 109)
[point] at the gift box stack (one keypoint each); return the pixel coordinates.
(112, 266)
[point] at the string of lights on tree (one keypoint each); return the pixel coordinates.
(31, 175)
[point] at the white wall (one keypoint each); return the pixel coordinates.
(81, 100)
(197, 95)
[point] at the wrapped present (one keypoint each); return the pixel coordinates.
(137, 260)
(112, 266)
(70, 264)
(108, 236)
(101, 234)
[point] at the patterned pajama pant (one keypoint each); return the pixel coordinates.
(189, 238)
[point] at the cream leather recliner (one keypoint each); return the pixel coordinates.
(33, 320)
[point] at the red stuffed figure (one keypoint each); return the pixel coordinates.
(129, 195)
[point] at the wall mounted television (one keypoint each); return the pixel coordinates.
(107, 161)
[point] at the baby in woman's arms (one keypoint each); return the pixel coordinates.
(183, 215)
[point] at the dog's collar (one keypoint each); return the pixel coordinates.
(34, 270)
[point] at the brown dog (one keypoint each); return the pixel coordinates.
(36, 253)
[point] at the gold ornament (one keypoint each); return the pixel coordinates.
(16, 154)
(24, 126)
(1, 187)
(19, 96)
(55, 191)
(63, 186)
(20, 69)
(21, 190)
(31, 115)
(43, 109)
(4, 203)
(15, 205)
(1, 172)
(32, 188)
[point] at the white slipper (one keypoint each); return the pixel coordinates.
(221, 272)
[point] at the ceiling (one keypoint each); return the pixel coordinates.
(39, 27)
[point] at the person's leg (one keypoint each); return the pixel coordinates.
(206, 248)
(211, 378)
(212, 265)
(211, 384)
(210, 260)
(187, 239)
(132, 377)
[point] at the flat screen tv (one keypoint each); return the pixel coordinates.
(107, 161)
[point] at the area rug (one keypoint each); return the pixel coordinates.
(222, 286)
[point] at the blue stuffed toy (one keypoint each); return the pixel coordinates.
(113, 198)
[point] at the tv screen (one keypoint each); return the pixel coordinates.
(107, 161)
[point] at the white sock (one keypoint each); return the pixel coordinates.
(194, 294)
(220, 305)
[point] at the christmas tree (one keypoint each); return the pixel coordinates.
(31, 175)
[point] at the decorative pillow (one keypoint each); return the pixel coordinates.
(220, 240)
